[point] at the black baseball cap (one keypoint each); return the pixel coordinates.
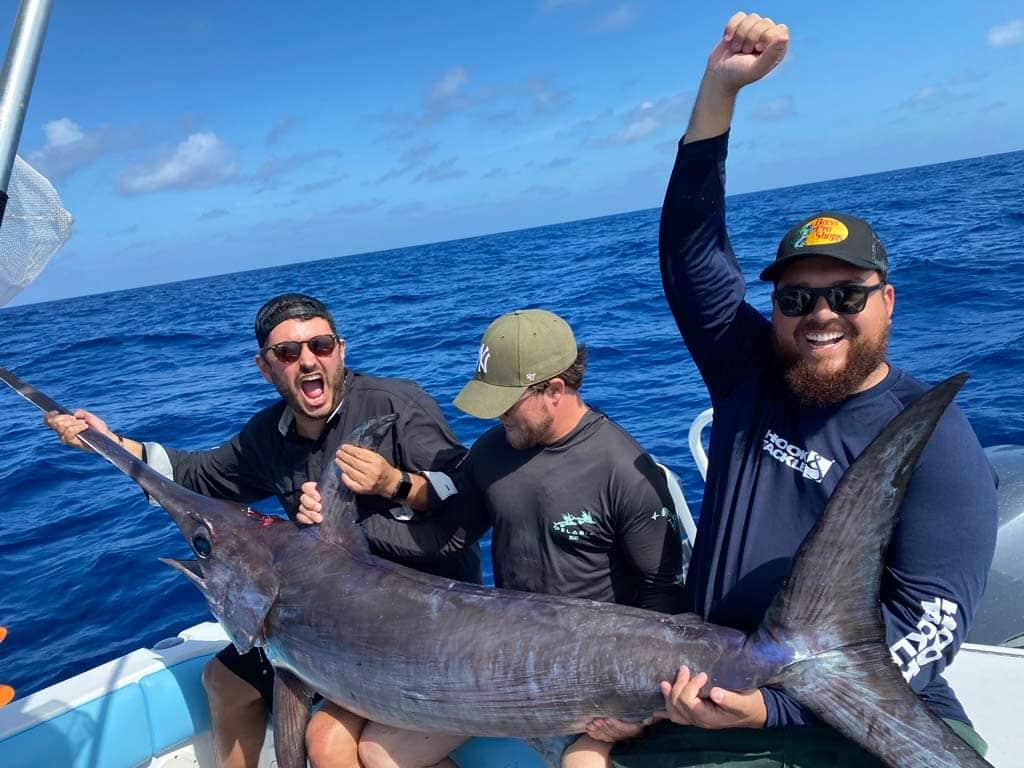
(829, 233)
(289, 306)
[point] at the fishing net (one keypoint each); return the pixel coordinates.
(34, 228)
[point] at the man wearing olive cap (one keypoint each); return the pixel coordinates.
(606, 516)
(576, 506)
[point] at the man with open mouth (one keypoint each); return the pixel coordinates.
(287, 444)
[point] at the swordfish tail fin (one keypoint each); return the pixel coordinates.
(828, 611)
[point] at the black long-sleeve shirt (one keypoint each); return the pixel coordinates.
(269, 458)
(588, 516)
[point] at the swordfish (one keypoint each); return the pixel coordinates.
(420, 652)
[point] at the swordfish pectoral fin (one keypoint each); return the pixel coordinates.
(861, 693)
(292, 702)
(341, 519)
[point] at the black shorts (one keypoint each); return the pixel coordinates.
(255, 668)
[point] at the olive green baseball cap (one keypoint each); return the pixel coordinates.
(519, 349)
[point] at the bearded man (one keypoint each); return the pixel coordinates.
(796, 400)
(286, 445)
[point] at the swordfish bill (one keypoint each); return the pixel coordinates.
(420, 652)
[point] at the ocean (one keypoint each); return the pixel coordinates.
(174, 363)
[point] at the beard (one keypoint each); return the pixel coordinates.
(523, 435)
(289, 390)
(815, 387)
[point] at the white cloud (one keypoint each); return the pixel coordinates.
(280, 128)
(411, 159)
(639, 129)
(320, 184)
(968, 77)
(774, 110)
(934, 97)
(214, 213)
(130, 230)
(275, 168)
(455, 95)
(503, 120)
(544, 191)
(553, 5)
(647, 120)
(616, 19)
(199, 162)
(941, 95)
(442, 99)
(1006, 35)
(442, 171)
(418, 152)
(60, 133)
(543, 96)
(447, 96)
(449, 85)
(926, 99)
(68, 148)
(359, 208)
(557, 162)
(412, 209)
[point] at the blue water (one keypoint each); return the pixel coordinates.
(78, 544)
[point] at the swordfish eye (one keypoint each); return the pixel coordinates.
(201, 543)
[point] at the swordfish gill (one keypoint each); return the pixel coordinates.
(421, 652)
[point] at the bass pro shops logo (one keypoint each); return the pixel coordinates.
(810, 464)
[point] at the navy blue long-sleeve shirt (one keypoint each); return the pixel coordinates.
(774, 461)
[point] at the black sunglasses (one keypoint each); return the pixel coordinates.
(290, 351)
(796, 301)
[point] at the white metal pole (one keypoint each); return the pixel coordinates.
(16, 80)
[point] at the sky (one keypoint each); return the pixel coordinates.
(198, 138)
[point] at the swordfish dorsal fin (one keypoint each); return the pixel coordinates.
(337, 502)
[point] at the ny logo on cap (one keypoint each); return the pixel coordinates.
(482, 357)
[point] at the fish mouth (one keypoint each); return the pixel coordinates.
(191, 568)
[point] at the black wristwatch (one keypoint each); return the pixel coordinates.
(404, 486)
